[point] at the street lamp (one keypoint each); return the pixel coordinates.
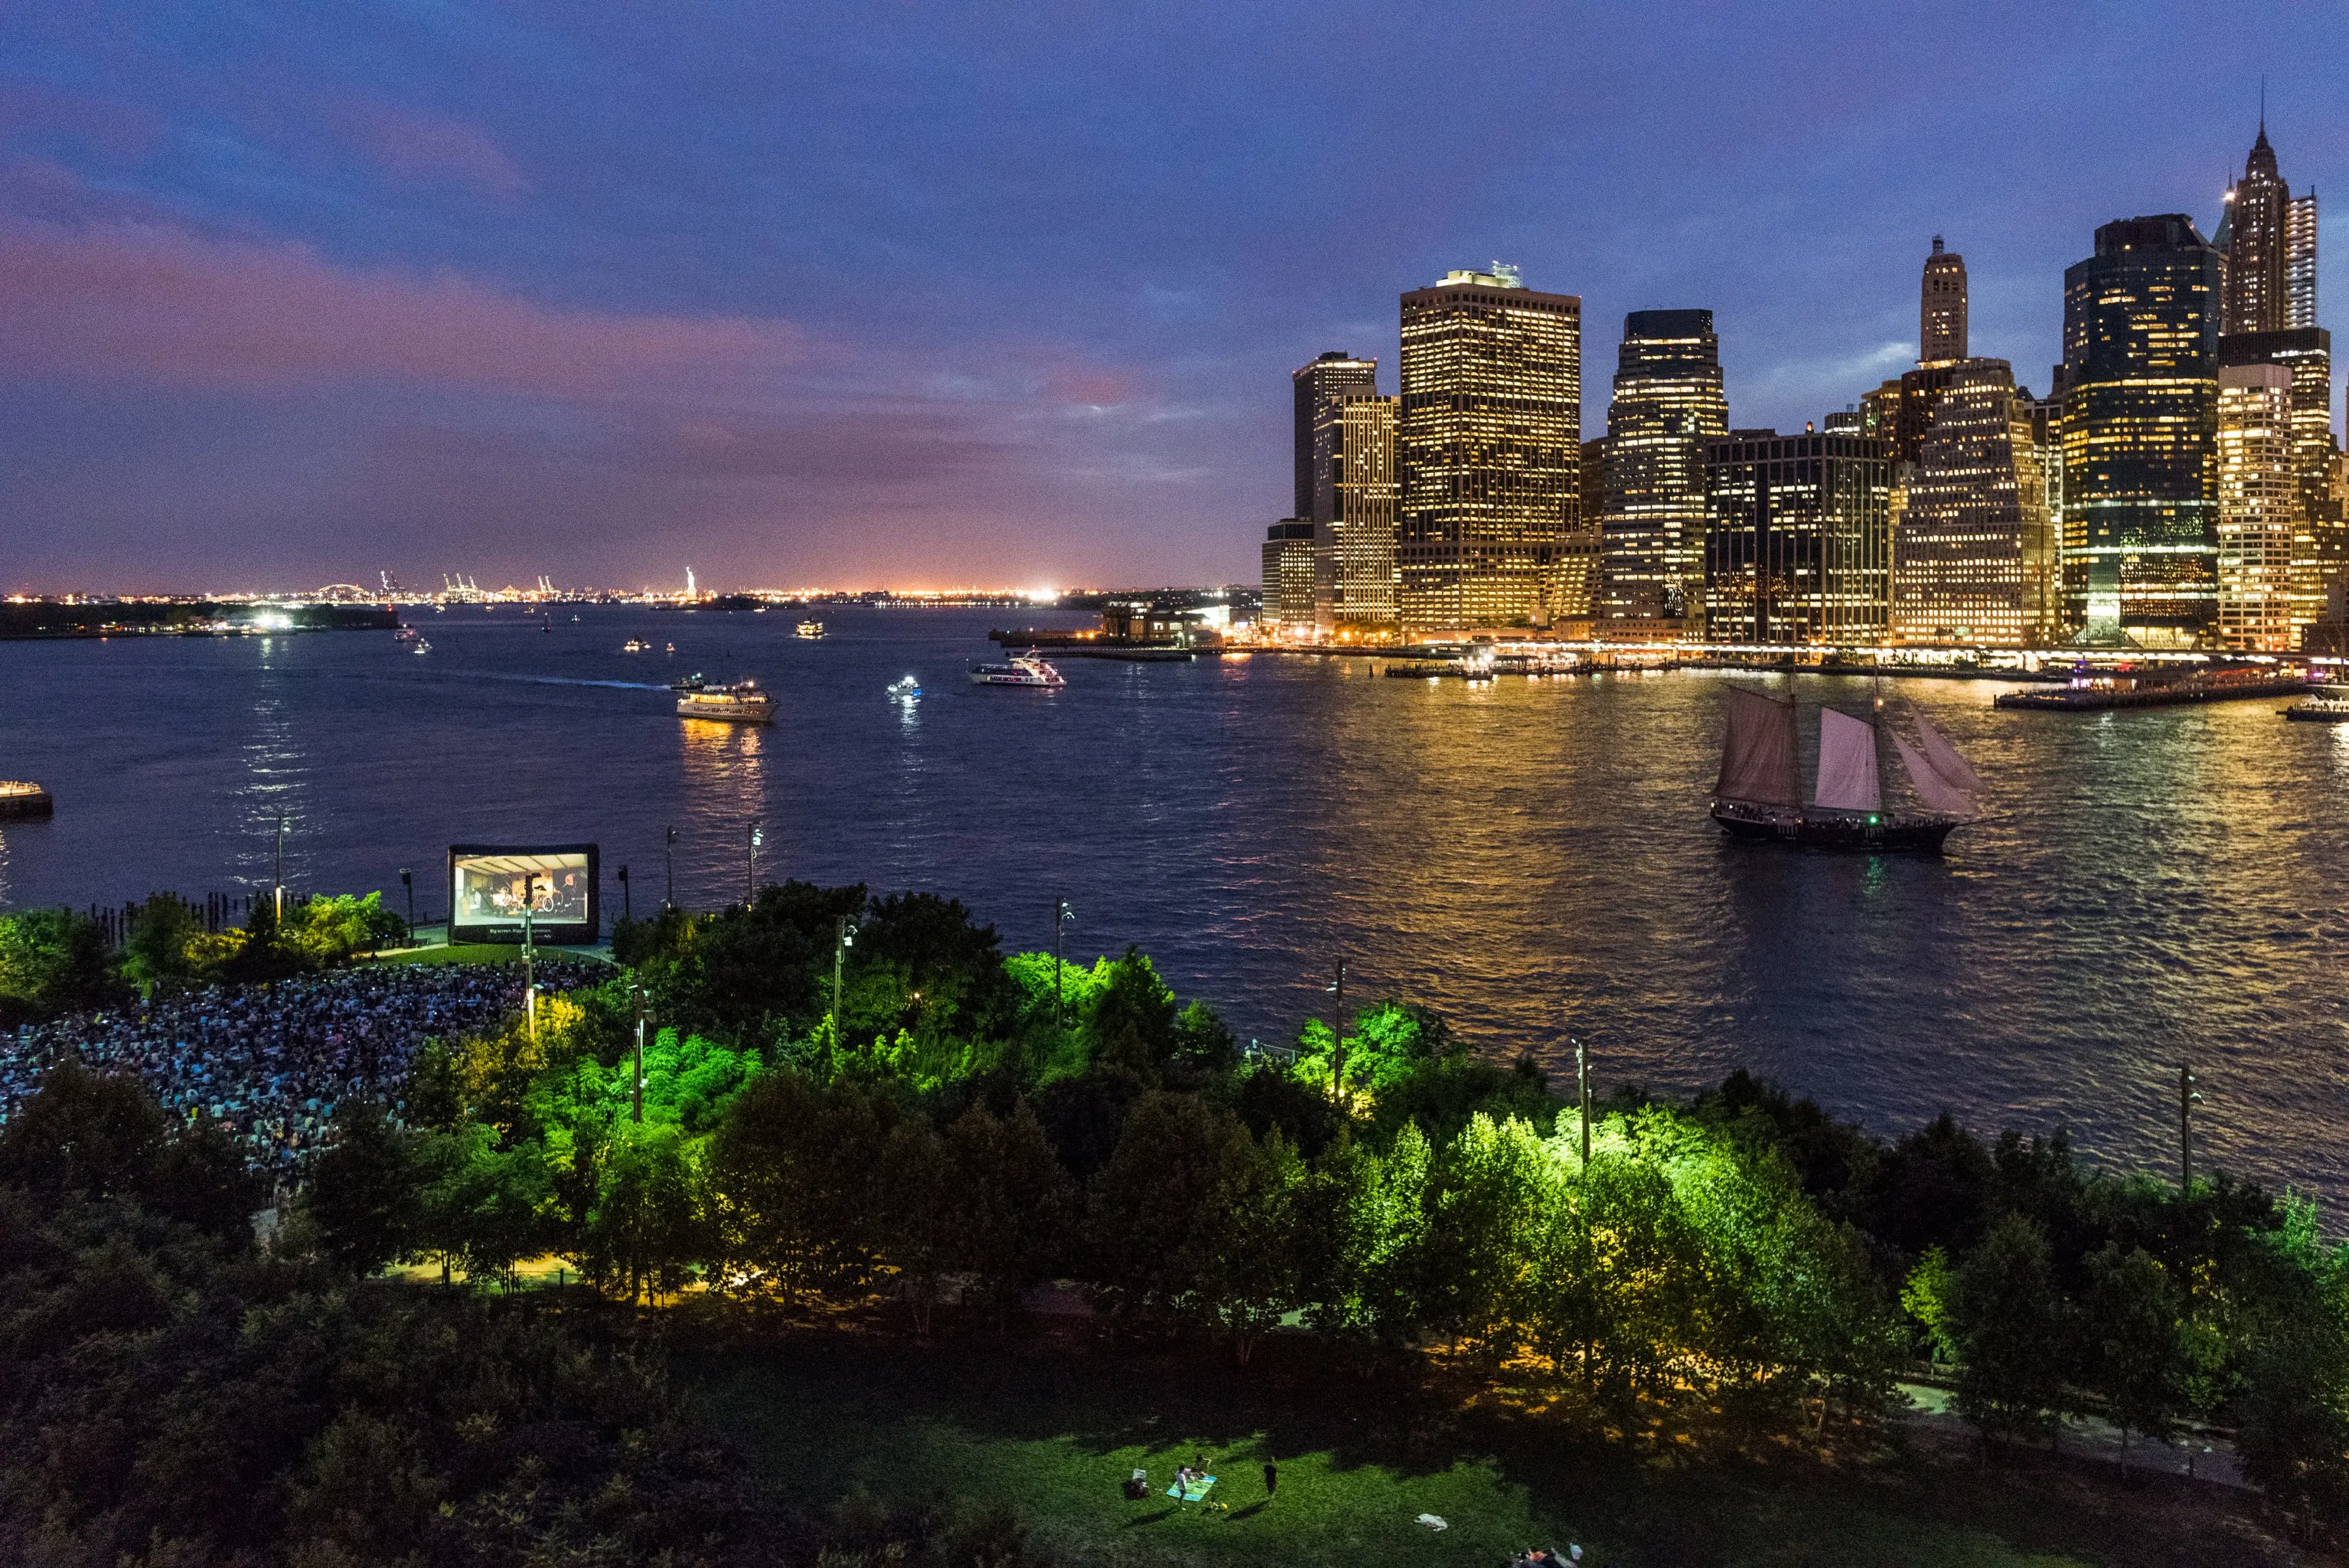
(1337, 1035)
(407, 882)
(529, 953)
(842, 939)
(2187, 1095)
(751, 837)
(279, 892)
(625, 906)
(669, 851)
(1582, 1086)
(637, 1084)
(1062, 917)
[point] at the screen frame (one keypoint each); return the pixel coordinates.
(556, 933)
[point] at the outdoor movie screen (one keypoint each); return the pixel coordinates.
(491, 885)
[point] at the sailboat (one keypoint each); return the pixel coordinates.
(1759, 794)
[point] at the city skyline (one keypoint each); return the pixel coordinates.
(286, 304)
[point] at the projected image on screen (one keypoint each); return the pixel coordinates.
(489, 889)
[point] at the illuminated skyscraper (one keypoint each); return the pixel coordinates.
(1668, 405)
(1797, 548)
(1941, 308)
(1973, 562)
(2269, 237)
(1318, 388)
(1289, 579)
(2140, 432)
(1363, 533)
(2320, 549)
(1491, 409)
(2259, 509)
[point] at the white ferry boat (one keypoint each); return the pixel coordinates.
(633, 646)
(810, 628)
(1024, 670)
(742, 704)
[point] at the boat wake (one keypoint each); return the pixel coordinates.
(569, 680)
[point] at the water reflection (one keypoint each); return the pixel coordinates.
(272, 800)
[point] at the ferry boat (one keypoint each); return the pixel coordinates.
(810, 628)
(906, 690)
(1024, 670)
(1759, 794)
(633, 646)
(741, 704)
(21, 801)
(2320, 710)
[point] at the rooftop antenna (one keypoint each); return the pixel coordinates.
(2263, 103)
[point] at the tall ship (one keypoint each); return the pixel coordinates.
(1759, 794)
(1024, 670)
(739, 704)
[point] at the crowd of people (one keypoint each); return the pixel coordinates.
(269, 1063)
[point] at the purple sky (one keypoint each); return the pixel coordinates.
(920, 294)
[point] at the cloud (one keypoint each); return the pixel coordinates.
(423, 148)
(141, 304)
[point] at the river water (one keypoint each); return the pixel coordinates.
(1530, 857)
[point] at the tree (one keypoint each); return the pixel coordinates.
(155, 952)
(2293, 1434)
(54, 961)
(647, 1221)
(1015, 1204)
(361, 1196)
(1489, 1183)
(1148, 1203)
(1247, 1272)
(2009, 1323)
(1130, 1021)
(98, 1135)
(484, 1208)
(2136, 1357)
(922, 1213)
(794, 1181)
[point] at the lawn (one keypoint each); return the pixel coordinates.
(483, 952)
(1051, 1432)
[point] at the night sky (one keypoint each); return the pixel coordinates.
(926, 296)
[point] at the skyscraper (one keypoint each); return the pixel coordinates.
(1797, 548)
(1941, 308)
(1318, 387)
(1363, 533)
(2140, 431)
(1973, 558)
(1492, 410)
(2259, 509)
(2269, 237)
(1287, 608)
(1668, 404)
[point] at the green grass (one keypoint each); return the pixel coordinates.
(1050, 1432)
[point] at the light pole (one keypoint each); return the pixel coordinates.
(842, 939)
(1582, 1087)
(407, 882)
(637, 1084)
(751, 837)
(625, 906)
(279, 895)
(1062, 917)
(529, 954)
(2187, 1095)
(669, 851)
(1337, 1036)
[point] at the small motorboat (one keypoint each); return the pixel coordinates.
(633, 646)
(2320, 710)
(906, 690)
(421, 648)
(1025, 670)
(693, 682)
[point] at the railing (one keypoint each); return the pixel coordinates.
(219, 912)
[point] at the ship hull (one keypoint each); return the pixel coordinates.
(1887, 834)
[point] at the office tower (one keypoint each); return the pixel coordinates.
(1668, 404)
(1316, 388)
(2140, 433)
(1289, 579)
(1797, 547)
(1941, 308)
(1361, 534)
(2321, 549)
(2269, 238)
(2259, 509)
(1492, 410)
(1972, 560)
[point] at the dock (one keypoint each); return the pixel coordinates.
(2167, 694)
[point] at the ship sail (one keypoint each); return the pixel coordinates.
(1757, 756)
(1943, 780)
(1846, 780)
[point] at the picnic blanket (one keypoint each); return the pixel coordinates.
(1195, 1492)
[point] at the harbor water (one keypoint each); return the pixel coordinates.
(1531, 857)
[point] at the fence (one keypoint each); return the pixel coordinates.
(219, 912)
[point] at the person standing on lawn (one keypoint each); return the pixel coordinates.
(1271, 1477)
